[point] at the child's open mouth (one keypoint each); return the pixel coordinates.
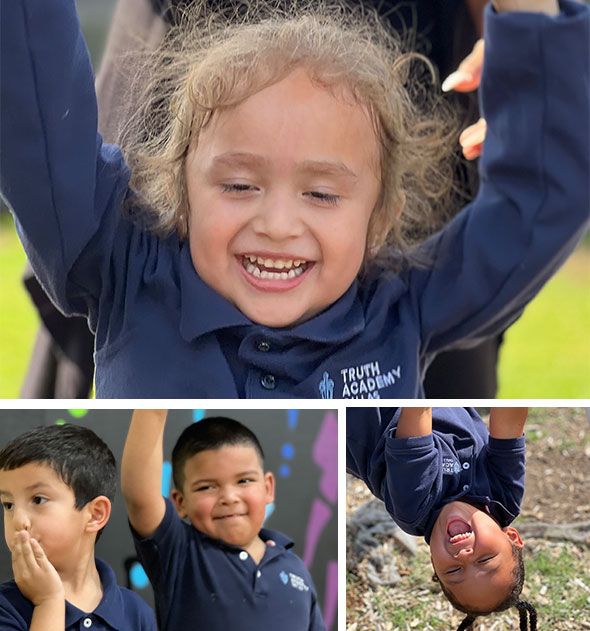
(273, 269)
(458, 530)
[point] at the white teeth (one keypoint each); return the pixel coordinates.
(258, 273)
(295, 267)
(461, 536)
(252, 258)
(260, 261)
(289, 264)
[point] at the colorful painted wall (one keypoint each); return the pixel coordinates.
(300, 448)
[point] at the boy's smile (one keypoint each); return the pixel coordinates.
(225, 494)
(281, 189)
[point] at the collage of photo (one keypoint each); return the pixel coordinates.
(295, 315)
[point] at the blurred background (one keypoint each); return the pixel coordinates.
(547, 352)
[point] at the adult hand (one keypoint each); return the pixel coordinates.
(465, 79)
(36, 578)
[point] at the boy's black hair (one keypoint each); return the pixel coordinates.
(77, 455)
(214, 432)
(512, 600)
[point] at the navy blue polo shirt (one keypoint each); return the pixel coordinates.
(119, 610)
(415, 477)
(162, 332)
(219, 587)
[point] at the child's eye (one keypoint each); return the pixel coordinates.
(486, 559)
(38, 499)
(327, 198)
(246, 480)
(452, 571)
(237, 188)
(7, 506)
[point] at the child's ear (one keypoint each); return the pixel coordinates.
(178, 499)
(269, 483)
(514, 537)
(99, 511)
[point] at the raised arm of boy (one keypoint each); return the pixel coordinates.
(141, 471)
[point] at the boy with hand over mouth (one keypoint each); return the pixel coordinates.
(57, 484)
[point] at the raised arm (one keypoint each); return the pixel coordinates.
(62, 184)
(414, 422)
(507, 422)
(141, 471)
(532, 205)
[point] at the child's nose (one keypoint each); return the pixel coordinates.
(278, 217)
(21, 520)
(463, 552)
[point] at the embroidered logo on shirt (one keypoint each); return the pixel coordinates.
(326, 387)
(296, 581)
(450, 466)
(365, 381)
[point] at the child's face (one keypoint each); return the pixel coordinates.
(225, 494)
(281, 189)
(472, 555)
(35, 499)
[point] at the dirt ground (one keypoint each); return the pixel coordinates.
(557, 557)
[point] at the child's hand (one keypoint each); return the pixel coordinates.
(36, 578)
(465, 79)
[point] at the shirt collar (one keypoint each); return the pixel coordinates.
(204, 311)
(110, 607)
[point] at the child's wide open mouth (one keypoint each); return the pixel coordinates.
(274, 269)
(458, 530)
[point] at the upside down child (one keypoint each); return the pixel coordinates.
(252, 236)
(444, 477)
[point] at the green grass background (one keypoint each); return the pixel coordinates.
(546, 354)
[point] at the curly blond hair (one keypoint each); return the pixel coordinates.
(216, 59)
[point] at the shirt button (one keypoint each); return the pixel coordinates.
(268, 382)
(465, 465)
(243, 555)
(264, 347)
(466, 487)
(87, 622)
(258, 574)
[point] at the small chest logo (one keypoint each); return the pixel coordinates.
(326, 387)
(296, 581)
(450, 466)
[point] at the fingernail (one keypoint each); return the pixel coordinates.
(454, 79)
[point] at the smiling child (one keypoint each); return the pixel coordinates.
(443, 476)
(253, 235)
(219, 568)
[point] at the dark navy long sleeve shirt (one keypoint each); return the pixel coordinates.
(415, 477)
(162, 332)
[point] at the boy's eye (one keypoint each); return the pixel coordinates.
(486, 559)
(452, 571)
(7, 505)
(38, 499)
(327, 198)
(237, 188)
(246, 480)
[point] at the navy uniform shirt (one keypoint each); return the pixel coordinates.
(162, 332)
(119, 610)
(219, 587)
(417, 476)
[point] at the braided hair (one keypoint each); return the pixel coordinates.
(523, 606)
